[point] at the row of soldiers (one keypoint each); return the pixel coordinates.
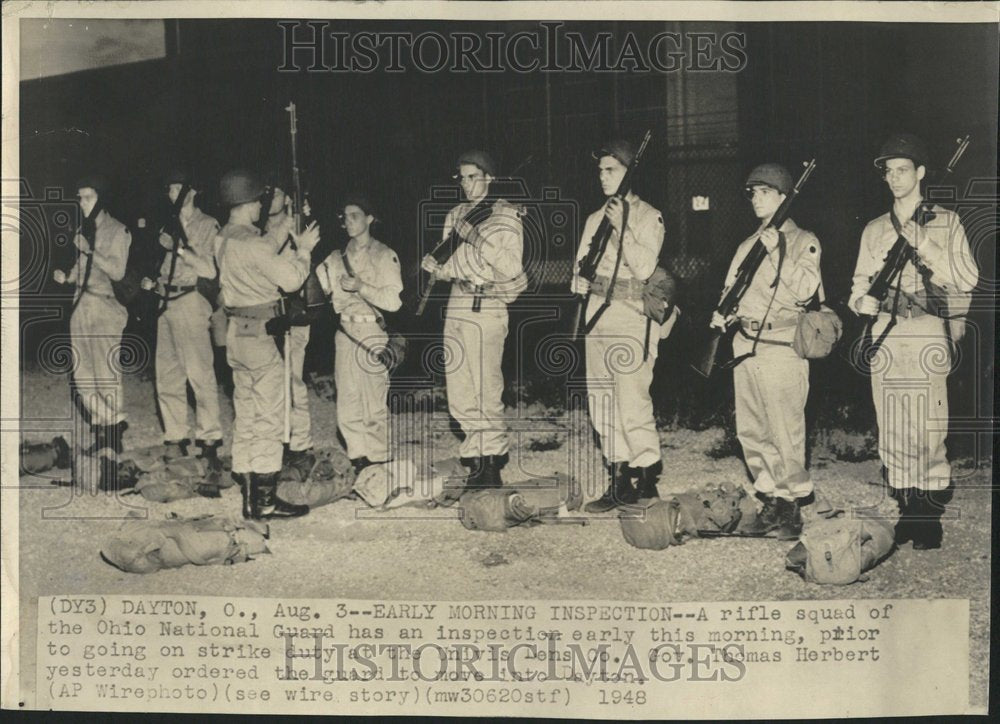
(255, 268)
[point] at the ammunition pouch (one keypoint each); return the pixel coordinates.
(658, 295)
(128, 287)
(209, 288)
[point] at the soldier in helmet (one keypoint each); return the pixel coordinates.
(486, 275)
(97, 319)
(772, 382)
(364, 280)
(621, 408)
(909, 388)
(251, 274)
(183, 345)
(299, 452)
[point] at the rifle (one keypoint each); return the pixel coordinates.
(899, 254)
(92, 240)
(175, 229)
(587, 268)
(746, 271)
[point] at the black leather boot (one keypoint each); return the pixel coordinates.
(492, 465)
(767, 519)
(210, 454)
(266, 504)
(925, 519)
(619, 492)
(905, 500)
(646, 479)
(246, 491)
(114, 435)
(360, 464)
(789, 515)
(476, 466)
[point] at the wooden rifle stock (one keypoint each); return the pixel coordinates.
(704, 364)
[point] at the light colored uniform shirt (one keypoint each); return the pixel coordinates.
(110, 255)
(376, 265)
(800, 276)
(250, 272)
(942, 246)
(493, 259)
(643, 241)
(201, 230)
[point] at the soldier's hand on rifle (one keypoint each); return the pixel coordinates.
(579, 285)
(614, 211)
(349, 283)
(867, 305)
(59, 276)
(769, 238)
(147, 284)
(719, 322)
(910, 233)
(429, 264)
(309, 237)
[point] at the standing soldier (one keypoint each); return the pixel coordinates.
(909, 388)
(97, 319)
(619, 365)
(299, 452)
(364, 279)
(251, 276)
(772, 382)
(183, 343)
(486, 276)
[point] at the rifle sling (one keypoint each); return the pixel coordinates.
(614, 275)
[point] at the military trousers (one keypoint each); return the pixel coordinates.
(258, 397)
(301, 438)
(96, 327)
(473, 343)
(362, 385)
(771, 389)
(184, 356)
(618, 380)
(909, 378)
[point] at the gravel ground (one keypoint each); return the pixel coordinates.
(330, 552)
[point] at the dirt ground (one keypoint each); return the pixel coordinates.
(347, 550)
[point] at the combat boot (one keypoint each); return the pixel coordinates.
(173, 449)
(905, 500)
(265, 503)
(789, 516)
(646, 479)
(245, 490)
(476, 466)
(299, 465)
(926, 511)
(492, 465)
(767, 519)
(619, 491)
(113, 436)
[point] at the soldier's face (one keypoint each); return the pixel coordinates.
(87, 198)
(902, 176)
(611, 173)
(277, 201)
(356, 221)
(765, 201)
(474, 181)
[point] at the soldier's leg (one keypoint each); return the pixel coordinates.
(752, 425)
(199, 364)
(171, 381)
(267, 403)
(463, 344)
(242, 404)
(602, 393)
(350, 415)
(301, 438)
(634, 376)
(785, 388)
(374, 385)
(494, 438)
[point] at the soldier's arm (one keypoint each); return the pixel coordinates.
(864, 269)
(643, 241)
(800, 274)
(166, 241)
(386, 294)
(288, 273)
(111, 257)
(502, 246)
(948, 255)
(199, 253)
(448, 270)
